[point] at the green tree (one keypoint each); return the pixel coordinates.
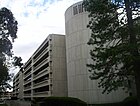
(116, 42)
(8, 30)
(4, 78)
(17, 61)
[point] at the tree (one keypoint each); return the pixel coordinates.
(8, 30)
(4, 77)
(116, 42)
(18, 62)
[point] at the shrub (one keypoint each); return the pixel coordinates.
(130, 101)
(62, 101)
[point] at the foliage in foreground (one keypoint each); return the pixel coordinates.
(3, 105)
(68, 101)
(8, 30)
(129, 101)
(115, 39)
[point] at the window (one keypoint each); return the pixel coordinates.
(80, 8)
(75, 10)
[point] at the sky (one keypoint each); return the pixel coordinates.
(36, 20)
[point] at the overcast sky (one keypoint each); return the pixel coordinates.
(36, 19)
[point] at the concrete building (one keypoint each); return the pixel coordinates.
(58, 66)
(18, 85)
(5, 95)
(45, 72)
(77, 52)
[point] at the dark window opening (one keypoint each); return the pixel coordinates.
(75, 10)
(28, 64)
(41, 59)
(42, 68)
(41, 89)
(43, 78)
(27, 99)
(28, 85)
(27, 92)
(28, 71)
(42, 49)
(28, 78)
(80, 8)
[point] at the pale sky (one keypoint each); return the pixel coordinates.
(36, 20)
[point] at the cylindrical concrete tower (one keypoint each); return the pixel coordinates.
(77, 36)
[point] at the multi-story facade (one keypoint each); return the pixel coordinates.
(77, 52)
(18, 85)
(5, 95)
(44, 73)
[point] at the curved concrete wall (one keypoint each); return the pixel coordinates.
(77, 36)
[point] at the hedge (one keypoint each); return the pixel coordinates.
(62, 101)
(69, 101)
(129, 101)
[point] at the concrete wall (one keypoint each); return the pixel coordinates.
(20, 95)
(77, 52)
(59, 71)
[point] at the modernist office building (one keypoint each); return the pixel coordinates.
(44, 73)
(77, 52)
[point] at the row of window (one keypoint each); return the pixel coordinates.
(41, 89)
(78, 9)
(41, 50)
(37, 64)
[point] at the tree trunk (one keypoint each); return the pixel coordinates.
(137, 80)
(133, 51)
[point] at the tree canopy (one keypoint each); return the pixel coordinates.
(8, 30)
(115, 37)
(18, 61)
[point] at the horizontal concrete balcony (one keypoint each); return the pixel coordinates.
(41, 84)
(40, 47)
(42, 73)
(27, 88)
(45, 61)
(41, 63)
(17, 80)
(28, 63)
(17, 93)
(26, 82)
(27, 69)
(25, 76)
(41, 55)
(42, 94)
(27, 95)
